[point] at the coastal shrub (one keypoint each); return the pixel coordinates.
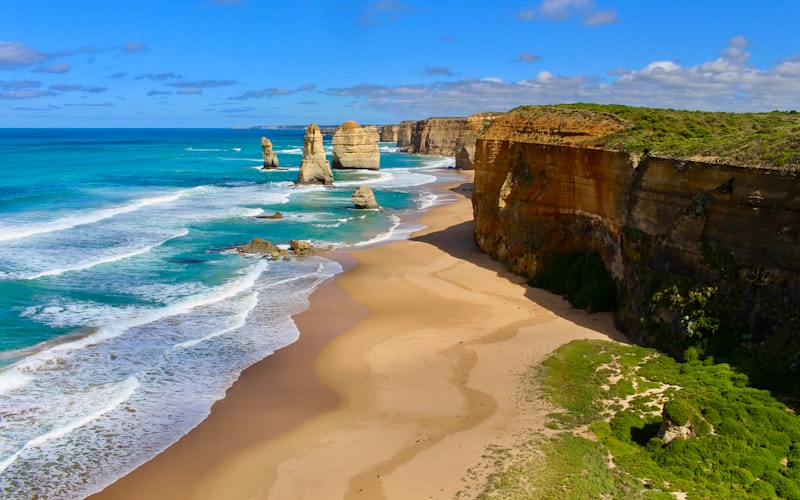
(756, 139)
(747, 444)
(582, 278)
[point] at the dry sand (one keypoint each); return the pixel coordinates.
(408, 366)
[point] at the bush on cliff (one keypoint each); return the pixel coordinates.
(582, 278)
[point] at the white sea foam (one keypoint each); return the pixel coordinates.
(8, 233)
(134, 317)
(241, 318)
(118, 394)
(102, 260)
(383, 237)
(12, 378)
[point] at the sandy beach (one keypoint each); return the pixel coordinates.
(408, 366)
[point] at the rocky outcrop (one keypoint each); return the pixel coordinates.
(270, 158)
(668, 229)
(262, 246)
(364, 198)
(404, 132)
(465, 142)
(444, 137)
(302, 248)
(355, 146)
(388, 133)
(297, 248)
(314, 168)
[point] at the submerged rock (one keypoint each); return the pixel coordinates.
(364, 198)
(270, 158)
(276, 215)
(315, 168)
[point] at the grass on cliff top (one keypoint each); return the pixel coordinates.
(752, 139)
(745, 444)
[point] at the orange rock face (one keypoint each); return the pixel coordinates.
(545, 185)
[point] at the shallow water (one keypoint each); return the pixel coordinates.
(126, 312)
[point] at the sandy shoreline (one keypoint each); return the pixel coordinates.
(407, 368)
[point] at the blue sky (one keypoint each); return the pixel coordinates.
(219, 63)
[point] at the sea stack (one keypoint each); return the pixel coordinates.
(363, 198)
(315, 168)
(270, 158)
(355, 146)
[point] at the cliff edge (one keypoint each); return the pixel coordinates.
(703, 244)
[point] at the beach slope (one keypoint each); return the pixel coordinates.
(424, 342)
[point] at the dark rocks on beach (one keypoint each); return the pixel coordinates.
(364, 198)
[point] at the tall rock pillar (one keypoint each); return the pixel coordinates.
(270, 158)
(315, 168)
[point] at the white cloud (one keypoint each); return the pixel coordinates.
(528, 57)
(728, 83)
(561, 10)
(15, 55)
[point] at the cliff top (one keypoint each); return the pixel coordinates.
(770, 140)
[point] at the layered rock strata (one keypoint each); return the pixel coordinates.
(388, 133)
(664, 227)
(269, 156)
(314, 168)
(355, 146)
(444, 137)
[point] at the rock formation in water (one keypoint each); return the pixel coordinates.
(355, 146)
(262, 246)
(314, 168)
(364, 198)
(270, 158)
(691, 242)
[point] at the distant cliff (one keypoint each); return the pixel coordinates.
(705, 249)
(444, 137)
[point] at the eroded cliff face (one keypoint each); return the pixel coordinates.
(545, 185)
(444, 137)
(355, 146)
(388, 133)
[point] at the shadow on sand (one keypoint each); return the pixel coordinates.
(458, 240)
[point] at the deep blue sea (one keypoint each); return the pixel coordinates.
(125, 311)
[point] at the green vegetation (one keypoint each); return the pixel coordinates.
(754, 139)
(582, 278)
(739, 442)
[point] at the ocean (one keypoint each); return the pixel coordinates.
(125, 311)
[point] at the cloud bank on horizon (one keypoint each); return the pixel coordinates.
(218, 63)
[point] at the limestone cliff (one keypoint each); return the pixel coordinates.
(314, 169)
(269, 156)
(389, 133)
(670, 230)
(355, 146)
(444, 137)
(404, 130)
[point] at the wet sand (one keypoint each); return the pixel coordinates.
(408, 366)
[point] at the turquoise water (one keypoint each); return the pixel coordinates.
(125, 310)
